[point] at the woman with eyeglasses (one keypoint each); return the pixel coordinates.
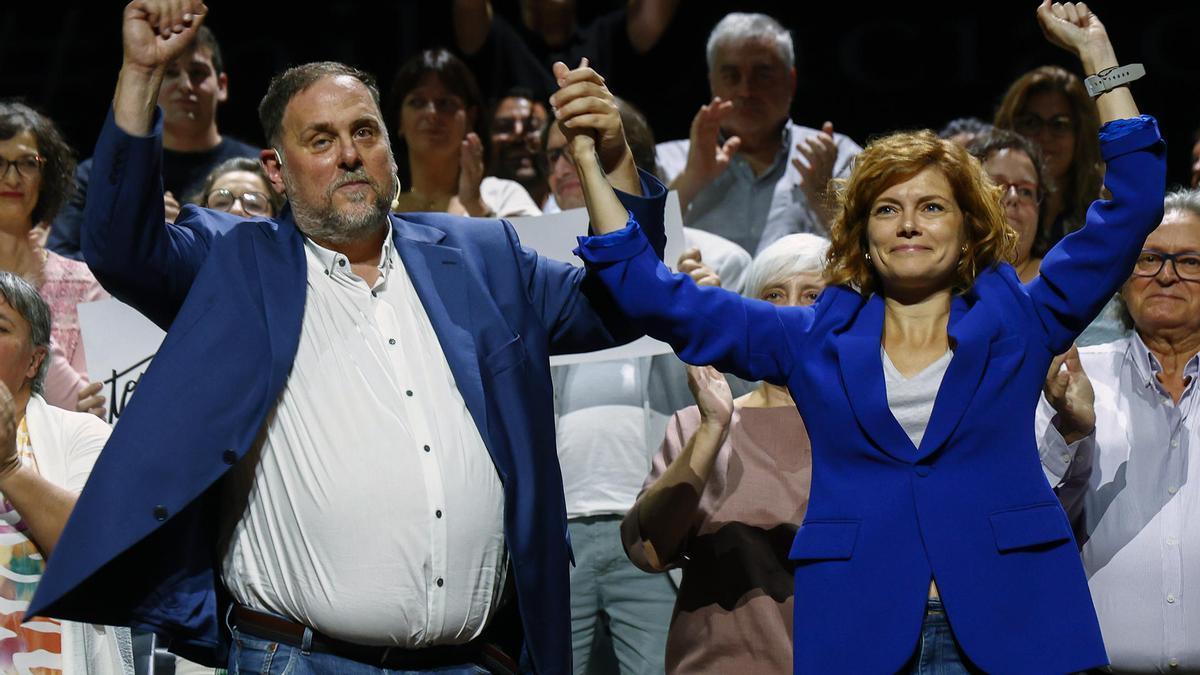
(239, 186)
(435, 107)
(36, 176)
(1014, 164)
(1051, 107)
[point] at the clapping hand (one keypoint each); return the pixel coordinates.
(691, 265)
(707, 156)
(820, 156)
(712, 395)
(1069, 391)
(10, 460)
(470, 176)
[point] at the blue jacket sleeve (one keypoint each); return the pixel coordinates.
(64, 233)
(1083, 270)
(136, 255)
(579, 313)
(749, 338)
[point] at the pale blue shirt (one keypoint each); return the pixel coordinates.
(1140, 506)
(753, 211)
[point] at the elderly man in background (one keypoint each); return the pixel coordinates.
(46, 455)
(747, 172)
(1120, 436)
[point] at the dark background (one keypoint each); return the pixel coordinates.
(870, 70)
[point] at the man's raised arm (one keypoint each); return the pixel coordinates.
(125, 239)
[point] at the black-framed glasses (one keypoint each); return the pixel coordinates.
(1030, 124)
(1026, 193)
(253, 202)
(27, 166)
(1151, 262)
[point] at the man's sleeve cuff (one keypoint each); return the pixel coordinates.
(1120, 137)
(614, 246)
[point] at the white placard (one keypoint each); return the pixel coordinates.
(119, 344)
(553, 235)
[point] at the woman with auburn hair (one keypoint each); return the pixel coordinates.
(932, 541)
(1051, 107)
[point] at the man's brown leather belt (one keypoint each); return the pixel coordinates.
(278, 629)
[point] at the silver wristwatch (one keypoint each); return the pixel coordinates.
(1111, 78)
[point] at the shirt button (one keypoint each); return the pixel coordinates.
(408, 392)
(438, 513)
(1171, 541)
(1066, 457)
(1172, 489)
(374, 294)
(391, 341)
(229, 457)
(1171, 598)
(922, 470)
(160, 513)
(427, 448)
(342, 263)
(440, 583)
(1174, 663)
(1175, 443)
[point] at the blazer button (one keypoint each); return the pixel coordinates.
(160, 513)
(229, 457)
(922, 470)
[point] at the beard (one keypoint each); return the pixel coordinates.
(323, 222)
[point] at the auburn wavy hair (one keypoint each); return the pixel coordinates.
(893, 159)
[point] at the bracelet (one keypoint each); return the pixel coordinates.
(1111, 78)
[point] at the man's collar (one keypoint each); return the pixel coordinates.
(1147, 366)
(332, 261)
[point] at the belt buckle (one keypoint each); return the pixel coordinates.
(383, 656)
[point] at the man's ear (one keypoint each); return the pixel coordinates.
(222, 88)
(272, 162)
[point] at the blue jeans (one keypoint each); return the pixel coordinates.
(938, 652)
(250, 655)
(605, 584)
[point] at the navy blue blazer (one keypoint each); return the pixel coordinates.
(140, 548)
(970, 507)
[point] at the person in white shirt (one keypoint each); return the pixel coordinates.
(1119, 435)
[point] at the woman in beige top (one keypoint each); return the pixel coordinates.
(723, 498)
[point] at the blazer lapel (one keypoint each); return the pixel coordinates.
(862, 378)
(440, 277)
(972, 329)
(283, 279)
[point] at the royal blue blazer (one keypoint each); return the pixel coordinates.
(969, 508)
(140, 548)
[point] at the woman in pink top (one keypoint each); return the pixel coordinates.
(724, 496)
(36, 175)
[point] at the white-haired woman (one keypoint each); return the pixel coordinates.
(724, 495)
